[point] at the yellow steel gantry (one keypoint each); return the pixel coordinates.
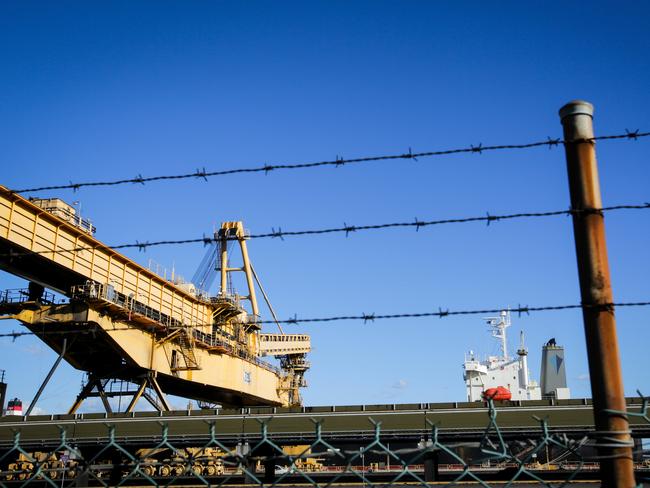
(123, 321)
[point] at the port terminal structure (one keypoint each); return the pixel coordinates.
(123, 322)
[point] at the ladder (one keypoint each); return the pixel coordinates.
(186, 345)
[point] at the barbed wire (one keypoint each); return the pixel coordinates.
(441, 313)
(202, 174)
(345, 228)
(371, 317)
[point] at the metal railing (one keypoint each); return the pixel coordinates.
(72, 217)
(108, 293)
(128, 303)
(21, 295)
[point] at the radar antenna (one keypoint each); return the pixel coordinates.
(498, 326)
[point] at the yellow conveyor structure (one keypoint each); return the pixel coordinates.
(125, 322)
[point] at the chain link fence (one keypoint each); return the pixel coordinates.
(545, 456)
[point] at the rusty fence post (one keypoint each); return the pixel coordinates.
(616, 464)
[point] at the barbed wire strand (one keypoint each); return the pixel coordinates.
(371, 317)
(441, 313)
(347, 229)
(202, 174)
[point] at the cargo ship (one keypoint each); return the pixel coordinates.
(506, 377)
(502, 372)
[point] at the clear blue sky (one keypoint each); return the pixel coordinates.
(110, 90)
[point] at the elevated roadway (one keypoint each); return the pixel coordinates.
(399, 422)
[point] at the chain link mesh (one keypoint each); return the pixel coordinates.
(543, 455)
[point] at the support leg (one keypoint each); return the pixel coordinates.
(431, 467)
(249, 475)
(47, 378)
(83, 394)
(159, 392)
(137, 396)
(269, 471)
(103, 397)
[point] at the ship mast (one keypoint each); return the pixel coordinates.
(522, 352)
(499, 326)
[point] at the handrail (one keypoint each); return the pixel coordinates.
(107, 293)
(21, 295)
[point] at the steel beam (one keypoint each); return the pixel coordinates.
(48, 377)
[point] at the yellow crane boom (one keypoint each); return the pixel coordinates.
(125, 321)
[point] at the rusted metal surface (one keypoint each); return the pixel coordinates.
(595, 289)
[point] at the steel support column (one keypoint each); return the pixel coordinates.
(616, 466)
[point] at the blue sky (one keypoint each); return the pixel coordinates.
(93, 91)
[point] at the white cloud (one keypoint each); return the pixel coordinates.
(583, 377)
(37, 411)
(91, 405)
(400, 384)
(182, 406)
(34, 349)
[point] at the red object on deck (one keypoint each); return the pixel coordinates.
(498, 393)
(14, 407)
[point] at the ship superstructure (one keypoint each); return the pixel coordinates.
(502, 370)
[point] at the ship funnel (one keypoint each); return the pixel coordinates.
(553, 377)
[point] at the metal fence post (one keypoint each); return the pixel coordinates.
(616, 465)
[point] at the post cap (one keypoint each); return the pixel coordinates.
(577, 107)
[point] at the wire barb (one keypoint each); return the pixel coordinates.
(491, 218)
(368, 318)
(522, 310)
(202, 174)
(418, 224)
(348, 228)
(410, 155)
(552, 142)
